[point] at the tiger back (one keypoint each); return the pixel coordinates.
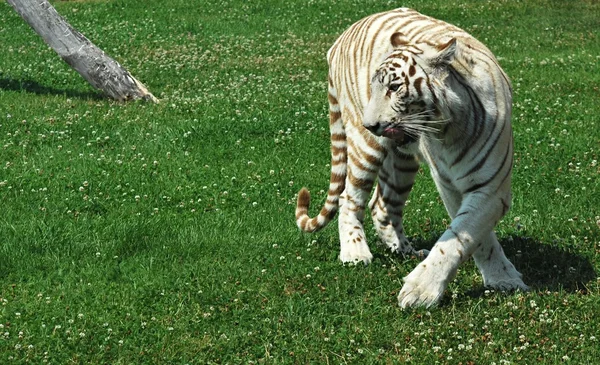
(405, 88)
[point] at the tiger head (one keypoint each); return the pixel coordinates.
(407, 91)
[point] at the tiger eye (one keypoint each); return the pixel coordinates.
(394, 87)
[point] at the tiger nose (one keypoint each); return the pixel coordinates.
(373, 128)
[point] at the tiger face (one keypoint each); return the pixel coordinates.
(406, 93)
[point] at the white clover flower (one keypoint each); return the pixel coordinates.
(532, 304)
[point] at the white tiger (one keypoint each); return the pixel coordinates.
(404, 88)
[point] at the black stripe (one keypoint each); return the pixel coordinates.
(417, 85)
(428, 83)
(479, 115)
(477, 186)
(384, 177)
(481, 161)
(406, 170)
(505, 206)
(458, 238)
(506, 176)
(462, 213)
(394, 205)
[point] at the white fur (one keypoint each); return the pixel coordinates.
(369, 64)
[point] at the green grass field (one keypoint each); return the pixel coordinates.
(165, 234)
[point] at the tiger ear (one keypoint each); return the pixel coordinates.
(445, 54)
(399, 39)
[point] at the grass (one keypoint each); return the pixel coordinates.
(138, 233)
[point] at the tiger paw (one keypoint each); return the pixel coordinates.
(423, 287)
(420, 295)
(354, 253)
(502, 275)
(420, 254)
(506, 283)
(398, 244)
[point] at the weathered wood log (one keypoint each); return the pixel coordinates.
(100, 70)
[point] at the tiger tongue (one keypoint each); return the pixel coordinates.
(394, 133)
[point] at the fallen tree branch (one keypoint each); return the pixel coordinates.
(97, 68)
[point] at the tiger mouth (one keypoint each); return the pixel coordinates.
(398, 135)
(394, 133)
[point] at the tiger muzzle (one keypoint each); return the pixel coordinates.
(387, 130)
(374, 128)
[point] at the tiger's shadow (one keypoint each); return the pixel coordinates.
(544, 266)
(548, 267)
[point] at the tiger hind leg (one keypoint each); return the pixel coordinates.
(364, 161)
(353, 242)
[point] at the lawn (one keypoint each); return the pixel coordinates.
(164, 233)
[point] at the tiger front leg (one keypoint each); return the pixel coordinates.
(395, 180)
(388, 223)
(425, 284)
(468, 235)
(497, 271)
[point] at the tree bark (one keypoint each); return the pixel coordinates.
(100, 70)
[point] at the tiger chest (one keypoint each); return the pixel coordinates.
(440, 163)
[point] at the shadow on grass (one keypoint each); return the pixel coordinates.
(34, 87)
(547, 266)
(544, 266)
